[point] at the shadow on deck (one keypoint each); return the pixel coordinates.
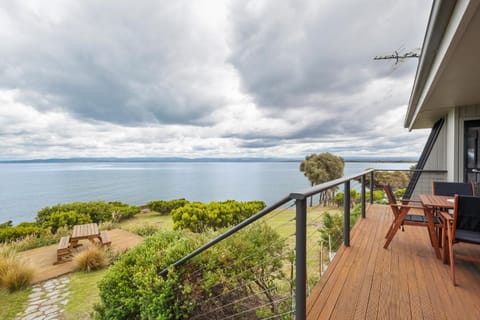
(42, 259)
(406, 281)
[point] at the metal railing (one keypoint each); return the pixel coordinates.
(300, 199)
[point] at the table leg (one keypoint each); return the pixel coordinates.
(433, 233)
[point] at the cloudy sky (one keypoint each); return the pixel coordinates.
(207, 78)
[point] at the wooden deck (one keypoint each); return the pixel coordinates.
(406, 281)
(42, 259)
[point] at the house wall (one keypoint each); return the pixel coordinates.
(447, 152)
(436, 161)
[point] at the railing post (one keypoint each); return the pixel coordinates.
(346, 214)
(301, 260)
(363, 196)
(371, 187)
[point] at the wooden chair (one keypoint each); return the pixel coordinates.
(441, 188)
(464, 226)
(401, 216)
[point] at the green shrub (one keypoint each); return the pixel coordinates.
(198, 217)
(133, 289)
(166, 207)
(44, 238)
(400, 192)
(59, 219)
(18, 232)
(98, 211)
(332, 226)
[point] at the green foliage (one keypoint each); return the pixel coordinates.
(332, 226)
(68, 219)
(97, 211)
(400, 192)
(165, 207)
(132, 288)
(198, 217)
(378, 196)
(18, 232)
(6, 224)
(322, 167)
(396, 179)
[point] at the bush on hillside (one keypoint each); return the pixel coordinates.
(332, 226)
(97, 211)
(198, 217)
(65, 219)
(165, 207)
(18, 232)
(133, 289)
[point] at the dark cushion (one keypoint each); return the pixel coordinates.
(467, 236)
(468, 213)
(452, 188)
(419, 218)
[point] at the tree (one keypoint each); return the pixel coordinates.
(320, 168)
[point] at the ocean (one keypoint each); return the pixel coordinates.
(25, 188)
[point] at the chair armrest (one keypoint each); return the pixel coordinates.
(409, 207)
(446, 216)
(410, 200)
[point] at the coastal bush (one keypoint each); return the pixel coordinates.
(18, 232)
(332, 226)
(198, 217)
(97, 211)
(68, 219)
(165, 207)
(133, 288)
(14, 273)
(44, 238)
(91, 258)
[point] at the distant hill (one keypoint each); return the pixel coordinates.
(180, 159)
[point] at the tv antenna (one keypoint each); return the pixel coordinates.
(400, 57)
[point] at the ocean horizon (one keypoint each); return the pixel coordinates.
(27, 187)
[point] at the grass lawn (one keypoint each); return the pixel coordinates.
(12, 303)
(83, 294)
(150, 218)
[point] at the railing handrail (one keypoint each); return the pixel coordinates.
(326, 185)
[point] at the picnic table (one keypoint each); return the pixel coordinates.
(88, 231)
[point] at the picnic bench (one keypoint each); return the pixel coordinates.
(64, 252)
(105, 240)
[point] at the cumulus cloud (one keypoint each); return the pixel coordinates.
(206, 78)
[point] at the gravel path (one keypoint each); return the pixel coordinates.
(47, 300)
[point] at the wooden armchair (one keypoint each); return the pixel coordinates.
(463, 226)
(402, 217)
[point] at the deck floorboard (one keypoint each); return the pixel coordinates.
(406, 281)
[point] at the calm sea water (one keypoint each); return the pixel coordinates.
(26, 188)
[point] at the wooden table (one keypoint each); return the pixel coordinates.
(432, 203)
(88, 231)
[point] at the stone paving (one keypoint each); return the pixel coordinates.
(47, 300)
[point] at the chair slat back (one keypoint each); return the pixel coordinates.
(441, 188)
(391, 199)
(466, 214)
